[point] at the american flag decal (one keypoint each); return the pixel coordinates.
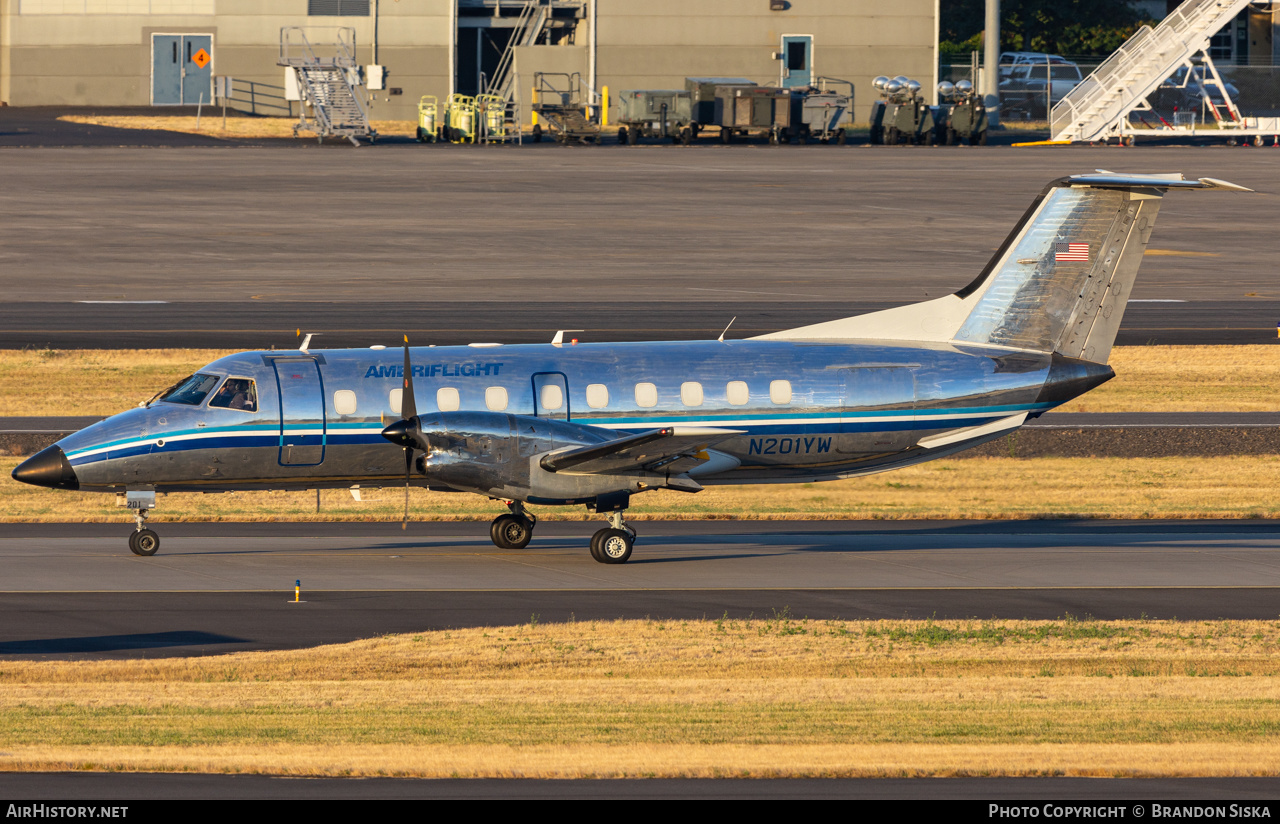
(1067, 252)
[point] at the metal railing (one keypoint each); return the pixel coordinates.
(258, 98)
(317, 46)
(1135, 69)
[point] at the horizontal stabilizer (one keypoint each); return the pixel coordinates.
(653, 450)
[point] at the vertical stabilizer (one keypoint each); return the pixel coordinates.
(1058, 283)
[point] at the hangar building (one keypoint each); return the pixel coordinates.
(167, 52)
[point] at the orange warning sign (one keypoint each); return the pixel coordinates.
(201, 58)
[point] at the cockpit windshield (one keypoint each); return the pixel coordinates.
(190, 391)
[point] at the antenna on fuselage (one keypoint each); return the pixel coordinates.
(305, 341)
(726, 329)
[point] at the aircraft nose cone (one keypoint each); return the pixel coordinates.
(48, 467)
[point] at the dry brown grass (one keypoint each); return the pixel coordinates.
(1149, 379)
(1175, 487)
(779, 696)
(236, 127)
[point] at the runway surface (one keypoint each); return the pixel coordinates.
(423, 232)
(75, 591)
(274, 324)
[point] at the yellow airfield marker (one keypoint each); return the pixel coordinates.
(297, 593)
(1043, 143)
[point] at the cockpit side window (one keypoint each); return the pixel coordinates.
(190, 391)
(236, 393)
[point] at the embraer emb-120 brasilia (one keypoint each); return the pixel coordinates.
(594, 424)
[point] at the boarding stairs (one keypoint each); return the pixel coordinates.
(327, 76)
(528, 28)
(1099, 107)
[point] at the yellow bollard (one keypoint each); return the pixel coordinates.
(533, 117)
(297, 591)
(604, 107)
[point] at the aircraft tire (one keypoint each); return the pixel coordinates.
(144, 542)
(615, 546)
(595, 544)
(511, 532)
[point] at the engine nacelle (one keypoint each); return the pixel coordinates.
(496, 454)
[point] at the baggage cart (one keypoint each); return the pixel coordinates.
(560, 103)
(702, 96)
(825, 113)
(663, 113)
(753, 111)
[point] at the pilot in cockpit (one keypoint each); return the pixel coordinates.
(236, 393)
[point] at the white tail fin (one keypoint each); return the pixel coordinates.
(1058, 283)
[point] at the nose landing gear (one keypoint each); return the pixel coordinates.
(143, 541)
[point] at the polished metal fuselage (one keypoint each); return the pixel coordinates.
(811, 411)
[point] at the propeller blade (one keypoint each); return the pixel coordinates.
(408, 406)
(408, 464)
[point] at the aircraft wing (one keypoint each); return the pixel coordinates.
(673, 449)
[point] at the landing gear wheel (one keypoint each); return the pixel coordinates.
(144, 542)
(511, 532)
(613, 546)
(595, 544)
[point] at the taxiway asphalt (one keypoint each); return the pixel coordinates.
(75, 591)
(609, 228)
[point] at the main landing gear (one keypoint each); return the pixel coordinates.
(613, 544)
(143, 541)
(514, 530)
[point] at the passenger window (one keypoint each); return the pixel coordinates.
(236, 393)
(738, 393)
(344, 402)
(550, 397)
(780, 391)
(495, 398)
(646, 395)
(447, 399)
(691, 393)
(395, 399)
(597, 396)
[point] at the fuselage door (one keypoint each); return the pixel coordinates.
(551, 396)
(878, 411)
(302, 413)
